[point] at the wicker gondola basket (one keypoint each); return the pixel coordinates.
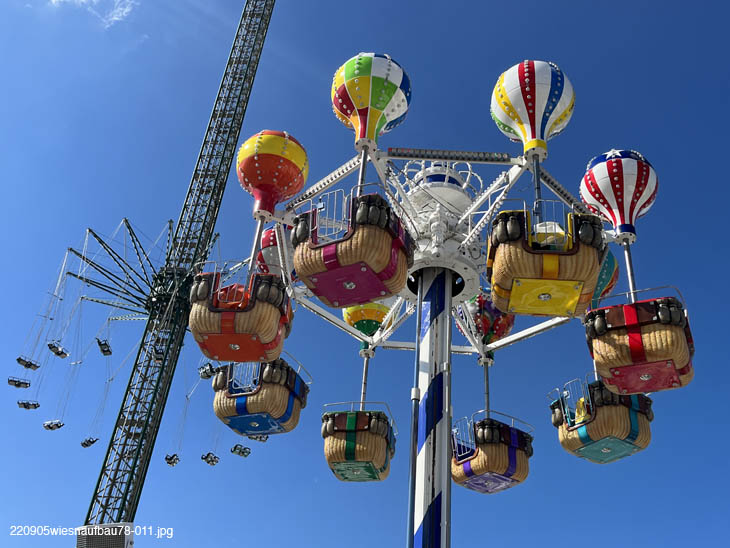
(369, 262)
(270, 405)
(610, 428)
(642, 347)
(358, 445)
(536, 277)
(232, 324)
(500, 459)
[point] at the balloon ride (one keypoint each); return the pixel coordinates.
(425, 237)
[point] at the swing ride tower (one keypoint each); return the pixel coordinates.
(128, 455)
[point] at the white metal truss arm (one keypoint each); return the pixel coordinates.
(331, 318)
(514, 173)
(402, 205)
(323, 184)
(466, 331)
(437, 155)
(527, 333)
(381, 336)
(474, 234)
(561, 192)
(410, 345)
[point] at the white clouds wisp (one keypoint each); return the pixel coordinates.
(109, 12)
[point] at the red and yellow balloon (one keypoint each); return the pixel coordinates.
(272, 166)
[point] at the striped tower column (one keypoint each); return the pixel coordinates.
(432, 523)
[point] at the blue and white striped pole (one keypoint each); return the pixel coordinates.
(432, 523)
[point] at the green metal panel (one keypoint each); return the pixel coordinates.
(608, 449)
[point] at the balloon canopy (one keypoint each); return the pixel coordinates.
(370, 94)
(267, 259)
(607, 279)
(272, 166)
(491, 323)
(532, 102)
(368, 317)
(621, 186)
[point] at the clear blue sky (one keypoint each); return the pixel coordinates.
(103, 111)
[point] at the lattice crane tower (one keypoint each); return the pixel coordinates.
(123, 472)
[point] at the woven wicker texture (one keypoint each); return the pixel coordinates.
(492, 457)
(611, 420)
(368, 448)
(661, 342)
(262, 320)
(271, 399)
(369, 244)
(513, 261)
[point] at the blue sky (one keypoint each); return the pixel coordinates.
(104, 104)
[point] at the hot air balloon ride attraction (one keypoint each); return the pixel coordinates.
(646, 345)
(428, 234)
(427, 237)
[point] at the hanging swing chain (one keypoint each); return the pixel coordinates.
(181, 429)
(486, 363)
(254, 251)
(630, 271)
(362, 171)
(367, 354)
(537, 210)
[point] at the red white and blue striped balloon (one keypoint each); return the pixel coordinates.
(532, 102)
(621, 186)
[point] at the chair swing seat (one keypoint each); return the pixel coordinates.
(369, 262)
(27, 363)
(614, 427)
(233, 324)
(642, 347)
(499, 461)
(272, 406)
(18, 383)
(531, 275)
(359, 445)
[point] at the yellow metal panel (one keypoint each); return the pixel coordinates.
(540, 297)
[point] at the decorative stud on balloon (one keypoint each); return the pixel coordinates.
(370, 94)
(532, 102)
(620, 186)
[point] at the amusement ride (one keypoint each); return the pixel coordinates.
(391, 233)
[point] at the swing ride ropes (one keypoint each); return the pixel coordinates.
(159, 294)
